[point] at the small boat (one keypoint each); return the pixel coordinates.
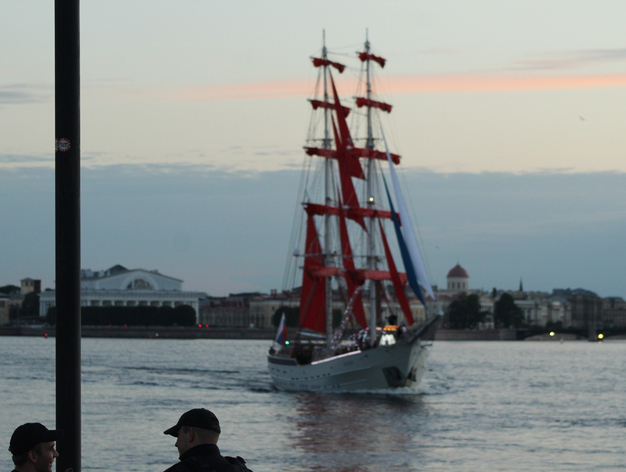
(362, 323)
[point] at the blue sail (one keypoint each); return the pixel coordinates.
(406, 258)
(407, 231)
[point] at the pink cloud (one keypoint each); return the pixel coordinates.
(573, 60)
(501, 83)
(397, 85)
(277, 89)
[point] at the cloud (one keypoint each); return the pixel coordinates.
(573, 60)
(12, 159)
(415, 84)
(16, 161)
(18, 94)
(465, 83)
(275, 89)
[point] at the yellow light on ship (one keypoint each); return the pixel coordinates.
(600, 336)
(371, 199)
(551, 333)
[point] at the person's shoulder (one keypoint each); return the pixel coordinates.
(178, 467)
(207, 458)
(237, 463)
(221, 463)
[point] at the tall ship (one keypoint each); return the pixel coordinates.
(363, 323)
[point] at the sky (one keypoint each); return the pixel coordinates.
(508, 114)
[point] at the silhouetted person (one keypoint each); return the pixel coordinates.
(32, 446)
(196, 433)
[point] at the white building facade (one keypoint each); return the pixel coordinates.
(119, 286)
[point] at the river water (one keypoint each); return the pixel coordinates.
(483, 406)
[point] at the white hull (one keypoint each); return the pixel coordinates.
(398, 365)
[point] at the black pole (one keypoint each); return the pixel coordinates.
(67, 183)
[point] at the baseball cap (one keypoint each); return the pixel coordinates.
(27, 436)
(196, 418)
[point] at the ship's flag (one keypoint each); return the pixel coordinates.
(407, 230)
(404, 251)
(281, 335)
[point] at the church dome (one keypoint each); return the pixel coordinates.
(458, 272)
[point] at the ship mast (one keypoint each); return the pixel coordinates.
(371, 256)
(327, 201)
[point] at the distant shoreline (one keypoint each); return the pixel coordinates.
(476, 335)
(147, 332)
(194, 332)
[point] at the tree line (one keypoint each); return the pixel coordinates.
(182, 315)
(465, 312)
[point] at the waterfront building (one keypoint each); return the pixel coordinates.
(29, 285)
(5, 305)
(458, 279)
(11, 303)
(230, 311)
(585, 307)
(613, 312)
(539, 309)
(457, 283)
(263, 307)
(119, 286)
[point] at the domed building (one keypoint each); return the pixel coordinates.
(458, 279)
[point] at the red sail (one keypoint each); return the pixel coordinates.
(318, 62)
(356, 152)
(398, 286)
(366, 102)
(357, 275)
(346, 140)
(313, 296)
(331, 106)
(347, 187)
(374, 154)
(370, 57)
(328, 153)
(348, 263)
(384, 275)
(351, 213)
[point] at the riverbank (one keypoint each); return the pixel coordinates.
(194, 332)
(476, 335)
(178, 332)
(142, 332)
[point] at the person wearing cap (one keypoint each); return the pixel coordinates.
(32, 447)
(196, 433)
